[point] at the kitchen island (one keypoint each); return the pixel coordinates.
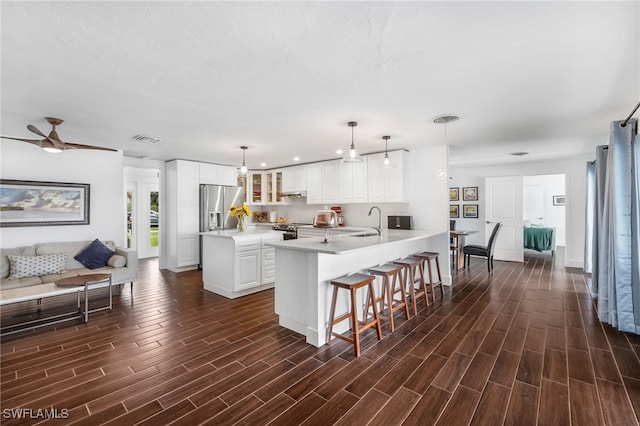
(305, 267)
(235, 264)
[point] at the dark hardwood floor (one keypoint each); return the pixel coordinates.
(522, 346)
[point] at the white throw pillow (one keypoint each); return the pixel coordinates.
(36, 266)
(117, 261)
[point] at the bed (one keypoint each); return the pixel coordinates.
(540, 238)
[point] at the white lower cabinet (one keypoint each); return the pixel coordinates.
(247, 264)
(239, 265)
(268, 259)
(188, 250)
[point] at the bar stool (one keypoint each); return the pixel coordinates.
(390, 289)
(353, 283)
(410, 265)
(427, 257)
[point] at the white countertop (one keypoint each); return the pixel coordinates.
(233, 233)
(343, 243)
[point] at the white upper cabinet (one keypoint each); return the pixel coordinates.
(209, 174)
(314, 183)
(294, 179)
(387, 184)
(215, 174)
(228, 175)
(188, 182)
(353, 182)
(253, 183)
(331, 181)
(256, 188)
(274, 187)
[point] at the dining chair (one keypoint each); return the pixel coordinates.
(482, 251)
(453, 244)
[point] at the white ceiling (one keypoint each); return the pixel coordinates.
(285, 78)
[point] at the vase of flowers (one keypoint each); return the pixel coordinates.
(240, 213)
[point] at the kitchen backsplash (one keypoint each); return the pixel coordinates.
(354, 214)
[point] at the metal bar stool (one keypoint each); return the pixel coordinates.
(353, 283)
(389, 289)
(427, 257)
(410, 265)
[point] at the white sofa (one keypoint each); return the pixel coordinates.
(30, 288)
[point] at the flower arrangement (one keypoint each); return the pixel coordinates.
(240, 213)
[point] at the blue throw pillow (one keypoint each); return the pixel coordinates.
(96, 255)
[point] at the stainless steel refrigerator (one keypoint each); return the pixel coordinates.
(215, 202)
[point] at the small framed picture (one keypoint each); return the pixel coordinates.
(470, 211)
(454, 194)
(470, 193)
(454, 211)
(559, 200)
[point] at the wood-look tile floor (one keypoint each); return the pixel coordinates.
(520, 346)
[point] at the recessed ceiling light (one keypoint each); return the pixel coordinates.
(263, 164)
(446, 118)
(338, 151)
(518, 154)
(296, 158)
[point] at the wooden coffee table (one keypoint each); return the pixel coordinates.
(86, 281)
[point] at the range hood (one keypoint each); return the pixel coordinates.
(295, 194)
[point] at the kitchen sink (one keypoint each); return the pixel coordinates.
(365, 234)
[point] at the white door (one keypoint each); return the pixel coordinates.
(503, 203)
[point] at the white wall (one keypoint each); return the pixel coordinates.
(428, 188)
(575, 185)
(101, 169)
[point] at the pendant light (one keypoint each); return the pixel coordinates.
(243, 169)
(386, 161)
(352, 156)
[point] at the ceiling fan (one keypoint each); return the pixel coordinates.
(52, 142)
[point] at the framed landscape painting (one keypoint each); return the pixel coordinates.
(33, 203)
(454, 194)
(470, 211)
(454, 211)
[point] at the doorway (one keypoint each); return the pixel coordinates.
(523, 201)
(143, 215)
(544, 198)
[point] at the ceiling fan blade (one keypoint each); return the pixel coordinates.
(35, 130)
(33, 141)
(68, 145)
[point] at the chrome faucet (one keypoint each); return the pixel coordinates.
(379, 228)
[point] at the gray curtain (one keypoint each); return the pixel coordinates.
(598, 206)
(589, 218)
(616, 232)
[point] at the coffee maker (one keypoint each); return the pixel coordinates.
(338, 211)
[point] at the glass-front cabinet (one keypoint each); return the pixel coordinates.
(253, 184)
(257, 188)
(274, 187)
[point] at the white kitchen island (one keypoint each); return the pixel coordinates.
(305, 267)
(235, 264)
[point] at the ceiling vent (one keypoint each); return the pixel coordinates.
(446, 118)
(145, 139)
